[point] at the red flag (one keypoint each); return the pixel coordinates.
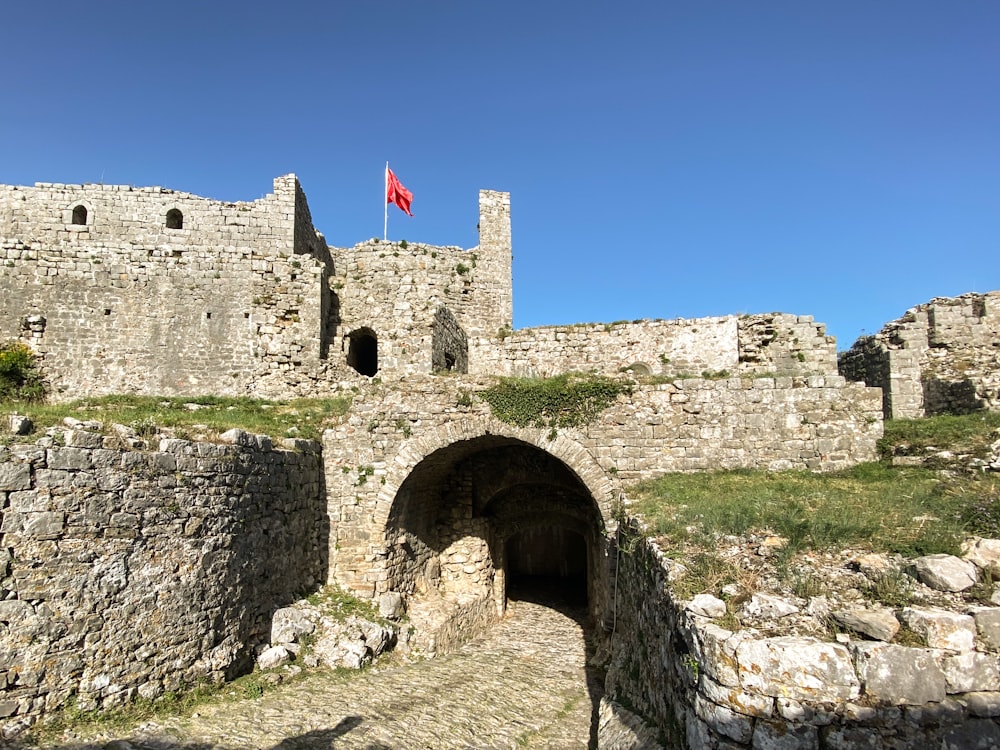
(396, 193)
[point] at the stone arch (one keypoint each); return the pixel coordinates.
(362, 351)
(641, 369)
(454, 499)
(174, 219)
(604, 488)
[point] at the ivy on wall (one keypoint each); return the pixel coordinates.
(567, 400)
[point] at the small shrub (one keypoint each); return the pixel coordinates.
(461, 269)
(20, 378)
(403, 244)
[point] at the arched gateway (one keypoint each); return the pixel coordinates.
(470, 511)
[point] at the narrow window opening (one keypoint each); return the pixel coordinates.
(175, 219)
(80, 215)
(208, 316)
(107, 310)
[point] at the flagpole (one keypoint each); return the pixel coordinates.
(385, 192)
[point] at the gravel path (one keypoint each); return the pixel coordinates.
(523, 684)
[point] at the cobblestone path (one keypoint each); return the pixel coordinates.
(523, 684)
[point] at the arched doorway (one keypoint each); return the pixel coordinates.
(481, 519)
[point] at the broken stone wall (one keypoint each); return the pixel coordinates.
(706, 686)
(128, 573)
(942, 357)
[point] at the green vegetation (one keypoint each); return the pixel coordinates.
(968, 433)
(339, 604)
(568, 400)
(304, 418)
(874, 506)
(20, 378)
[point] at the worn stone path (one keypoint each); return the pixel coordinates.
(523, 684)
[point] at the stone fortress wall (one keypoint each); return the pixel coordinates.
(147, 290)
(130, 571)
(423, 493)
(940, 357)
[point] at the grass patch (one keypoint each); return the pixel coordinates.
(340, 604)
(21, 381)
(304, 418)
(122, 719)
(910, 511)
(967, 434)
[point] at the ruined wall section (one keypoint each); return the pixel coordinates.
(773, 344)
(708, 687)
(940, 357)
(785, 344)
(818, 422)
(128, 573)
(396, 291)
(148, 290)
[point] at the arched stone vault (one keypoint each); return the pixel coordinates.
(453, 498)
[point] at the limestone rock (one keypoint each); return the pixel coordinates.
(273, 657)
(988, 625)
(799, 668)
(781, 736)
(707, 605)
(877, 624)
(390, 605)
(977, 734)
(723, 720)
(983, 703)
(288, 623)
(768, 606)
(941, 628)
(19, 424)
(971, 671)
(945, 572)
(897, 674)
(984, 554)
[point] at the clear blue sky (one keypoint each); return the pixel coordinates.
(665, 159)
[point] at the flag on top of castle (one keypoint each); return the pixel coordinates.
(395, 192)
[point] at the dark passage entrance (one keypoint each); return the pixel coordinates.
(362, 353)
(547, 562)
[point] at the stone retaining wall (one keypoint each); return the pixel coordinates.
(707, 687)
(134, 572)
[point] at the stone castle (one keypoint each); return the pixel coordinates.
(181, 551)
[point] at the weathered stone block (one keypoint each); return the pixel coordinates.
(68, 459)
(941, 628)
(900, 675)
(797, 668)
(14, 477)
(971, 671)
(945, 572)
(44, 525)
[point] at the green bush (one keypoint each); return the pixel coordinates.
(20, 378)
